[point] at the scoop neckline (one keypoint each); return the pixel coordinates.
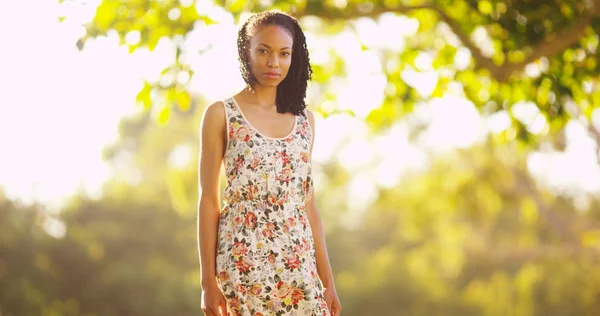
(259, 132)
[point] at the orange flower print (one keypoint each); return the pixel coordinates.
(239, 162)
(252, 191)
(250, 221)
(283, 155)
(265, 258)
(238, 222)
(223, 276)
(243, 265)
(283, 199)
(256, 289)
(292, 262)
(282, 290)
(271, 257)
(235, 303)
(241, 289)
(292, 221)
(304, 156)
(239, 249)
(254, 162)
(286, 174)
(231, 130)
(302, 220)
(268, 229)
(305, 244)
(243, 134)
(299, 249)
(274, 304)
(285, 228)
(297, 296)
(305, 187)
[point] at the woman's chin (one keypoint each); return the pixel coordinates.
(269, 83)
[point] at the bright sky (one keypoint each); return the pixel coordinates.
(61, 106)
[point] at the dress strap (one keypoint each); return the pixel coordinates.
(230, 112)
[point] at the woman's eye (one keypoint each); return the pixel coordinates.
(285, 53)
(262, 51)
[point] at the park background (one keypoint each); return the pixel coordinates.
(456, 161)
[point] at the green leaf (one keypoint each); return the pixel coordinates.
(183, 101)
(144, 95)
(485, 7)
(163, 116)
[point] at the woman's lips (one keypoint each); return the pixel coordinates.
(272, 75)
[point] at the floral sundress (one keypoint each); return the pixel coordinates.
(265, 249)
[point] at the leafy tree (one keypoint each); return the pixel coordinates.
(539, 51)
(471, 235)
(116, 257)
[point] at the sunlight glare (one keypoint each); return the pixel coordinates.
(424, 61)
(483, 41)
(78, 99)
(54, 227)
(423, 82)
(319, 49)
(455, 123)
(355, 154)
(573, 171)
(396, 155)
(332, 132)
(180, 156)
(216, 80)
(370, 34)
(498, 122)
(361, 192)
(462, 58)
(363, 94)
(526, 112)
(401, 24)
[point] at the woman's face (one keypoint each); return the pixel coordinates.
(270, 55)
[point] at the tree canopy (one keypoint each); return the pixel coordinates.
(470, 233)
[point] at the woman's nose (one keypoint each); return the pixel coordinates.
(273, 61)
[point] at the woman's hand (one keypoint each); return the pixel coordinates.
(213, 301)
(333, 302)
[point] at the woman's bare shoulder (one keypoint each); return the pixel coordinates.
(311, 117)
(215, 110)
(213, 117)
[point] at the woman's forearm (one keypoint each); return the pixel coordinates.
(208, 220)
(322, 258)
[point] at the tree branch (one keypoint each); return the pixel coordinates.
(548, 47)
(360, 11)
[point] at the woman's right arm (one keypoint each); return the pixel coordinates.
(212, 145)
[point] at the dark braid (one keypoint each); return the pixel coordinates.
(291, 92)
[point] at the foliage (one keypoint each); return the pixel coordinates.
(116, 258)
(471, 235)
(525, 50)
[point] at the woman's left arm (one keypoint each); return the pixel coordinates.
(323, 266)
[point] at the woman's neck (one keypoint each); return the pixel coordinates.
(263, 96)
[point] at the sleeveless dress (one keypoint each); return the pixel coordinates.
(265, 249)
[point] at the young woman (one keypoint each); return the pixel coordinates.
(264, 253)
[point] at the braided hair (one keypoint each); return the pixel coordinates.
(291, 92)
